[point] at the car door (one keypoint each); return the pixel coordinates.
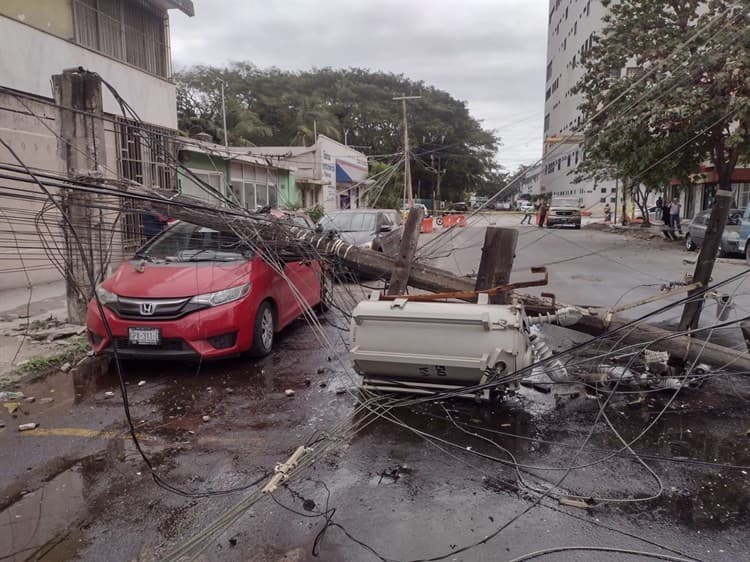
(389, 234)
(698, 229)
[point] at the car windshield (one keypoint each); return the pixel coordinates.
(349, 222)
(186, 242)
(565, 202)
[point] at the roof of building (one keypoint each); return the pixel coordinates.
(185, 6)
(228, 153)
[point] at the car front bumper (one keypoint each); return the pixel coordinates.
(196, 335)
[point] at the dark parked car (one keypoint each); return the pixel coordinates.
(458, 207)
(377, 229)
(730, 239)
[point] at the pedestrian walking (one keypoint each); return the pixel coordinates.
(659, 213)
(674, 215)
(528, 212)
(607, 213)
(667, 230)
(543, 207)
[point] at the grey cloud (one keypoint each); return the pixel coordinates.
(490, 53)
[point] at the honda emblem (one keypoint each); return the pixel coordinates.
(147, 308)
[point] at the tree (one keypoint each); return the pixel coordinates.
(355, 106)
(665, 89)
(684, 99)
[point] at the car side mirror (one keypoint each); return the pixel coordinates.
(384, 228)
(318, 228)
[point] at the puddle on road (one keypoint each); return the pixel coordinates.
(36, 526)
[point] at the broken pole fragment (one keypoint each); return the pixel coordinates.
(400, 276)
(498, 252)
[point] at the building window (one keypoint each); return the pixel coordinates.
(253, 187)
(613, 199)
(147, 155)
(604, 190)
(196, 184)
(128, 31)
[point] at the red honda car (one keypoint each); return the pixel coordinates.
(194, 292)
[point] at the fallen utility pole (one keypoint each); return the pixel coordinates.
(437, 280)
(281, 233)
(683, 347)
(409, 240)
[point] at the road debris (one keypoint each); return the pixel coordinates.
(109, 394)
(30, 399)
(28, 426)
(206, 418)
(7, 395)
(141, 383)
(11, 407)
(46, 400)
(65, 367)
(289, 392)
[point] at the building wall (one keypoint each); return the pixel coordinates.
(34, 140)
(30, 230)
(571, 25)
(29, 57)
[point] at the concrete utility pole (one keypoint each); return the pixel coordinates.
(407, 158)
(402, 270)
(79, 94)
(224, 113)
(704, 266)
(498, 253)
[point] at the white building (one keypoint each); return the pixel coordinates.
(327, 173)
(531, 182)
(126, 42)
(572, 23)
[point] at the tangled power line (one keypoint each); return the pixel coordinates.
(34, 236)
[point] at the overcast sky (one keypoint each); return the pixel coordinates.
(490, 53)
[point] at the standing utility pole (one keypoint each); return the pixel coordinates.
(704, 265)
(79, 96)
(224, 112)
(407, 165)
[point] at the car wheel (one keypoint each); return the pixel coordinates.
(689, 243)
(264, 331)
(326, 293)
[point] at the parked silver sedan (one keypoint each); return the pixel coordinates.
(696, 232)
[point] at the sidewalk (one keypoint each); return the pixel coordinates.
(34, 335)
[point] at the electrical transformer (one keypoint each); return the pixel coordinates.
(429, 347)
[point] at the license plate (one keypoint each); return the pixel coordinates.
(144, 336)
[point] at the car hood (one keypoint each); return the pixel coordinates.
(172, 280)
(357, 238)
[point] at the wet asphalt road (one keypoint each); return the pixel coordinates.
(76, 488)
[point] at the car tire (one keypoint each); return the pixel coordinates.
(264, 330)
(689, 245)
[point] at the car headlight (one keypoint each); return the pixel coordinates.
(733, 236)
(105, 296)
(222, 297)
(367, 245)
